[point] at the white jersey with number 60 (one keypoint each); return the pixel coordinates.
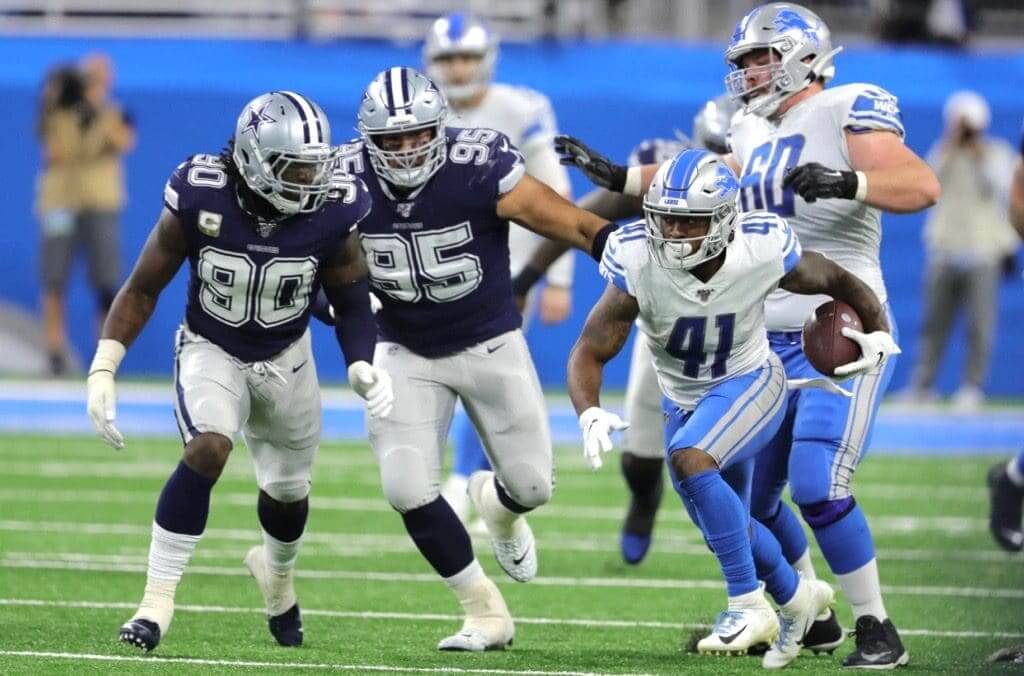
(847, 231)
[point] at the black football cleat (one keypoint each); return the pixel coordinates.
(141, 634)
(287, 627)
(878, 646)
(824, 636)
(1005, 500)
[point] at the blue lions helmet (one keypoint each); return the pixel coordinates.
(801, 45)
(658, 150)
(460, 34)
(695, 184)
(711, 124)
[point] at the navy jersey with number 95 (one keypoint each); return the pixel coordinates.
(250, 282)
(439, 260)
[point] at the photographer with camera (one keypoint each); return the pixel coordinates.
(969, 242)
(80, 189)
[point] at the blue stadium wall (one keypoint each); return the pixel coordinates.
(185, 95)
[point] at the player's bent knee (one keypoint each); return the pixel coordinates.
(527, 485)
(291, 491)
(827, 512)
(406, 480)
(689, 461)
(207, 454)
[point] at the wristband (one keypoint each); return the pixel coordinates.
(109, 354)
(524, 281)
(862, 187)
(634, 182)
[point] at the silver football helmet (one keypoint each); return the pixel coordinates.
(711, 124)
(459, 33)
(696, 184)
(401, 100)
(282, 148)
(801, 48)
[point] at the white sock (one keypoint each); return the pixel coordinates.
(805, 566)
(280, 556)
(499, 518)
(801, 598)
(454, 491)
(1015, 476)
(752, 599)
(864, 591)
(477, 593)
(169, 553)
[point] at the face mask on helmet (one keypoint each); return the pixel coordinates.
(689, 210)
(402, 121)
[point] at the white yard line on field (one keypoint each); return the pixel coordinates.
(282, 665)
(441, 617)
(131, 564)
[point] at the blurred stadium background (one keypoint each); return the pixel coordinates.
(616, 71)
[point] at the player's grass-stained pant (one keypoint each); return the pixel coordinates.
(645, 437)
(498, 386)
(275, 404)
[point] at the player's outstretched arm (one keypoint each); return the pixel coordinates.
(601, 171)
(344, 281)
(604, 333)
(161, 256)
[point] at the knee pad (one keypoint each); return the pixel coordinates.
(406, 480)
(284, 520)
(827, 512)
(526, 485)
(289, 491)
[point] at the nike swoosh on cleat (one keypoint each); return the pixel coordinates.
(729, 639)
(296, 368)
(525, 554)
(492, 350)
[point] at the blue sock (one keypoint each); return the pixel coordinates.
(1020, 463)
(725, 523)
(842, 533)
(780, 580)
(787, 530)
(184, 503)
(468, 453)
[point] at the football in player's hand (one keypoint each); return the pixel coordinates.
(824, 343)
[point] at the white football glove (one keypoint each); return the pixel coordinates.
(373, 385)
(597, 425)
(875, 348)
(102, 394)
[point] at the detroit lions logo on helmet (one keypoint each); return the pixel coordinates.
(725, 182)
(788, 19)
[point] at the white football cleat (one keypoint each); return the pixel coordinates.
(813, 597)
(512, 541)
(488, 624)
(736, 631)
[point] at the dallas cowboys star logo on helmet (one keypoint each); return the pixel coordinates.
(257, 118)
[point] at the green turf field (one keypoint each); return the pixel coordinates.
(74, 531)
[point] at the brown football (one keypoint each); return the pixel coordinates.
(824, 343)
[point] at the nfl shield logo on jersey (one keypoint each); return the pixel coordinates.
(404, 208)
(704, 294)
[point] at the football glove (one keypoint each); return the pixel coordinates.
(101, 397)
(373, 385)
(597, 425)
(815, 181)
(598, 168)
(875, 348)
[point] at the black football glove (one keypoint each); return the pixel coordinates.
(598, 168)
(814, 181)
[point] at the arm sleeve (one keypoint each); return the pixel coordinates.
(354, 325)
(874, 109)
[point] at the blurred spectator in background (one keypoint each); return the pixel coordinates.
(968, 238)
(947, 22)
(80, 191)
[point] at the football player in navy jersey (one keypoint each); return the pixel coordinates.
(262, 226)
(436, 244)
